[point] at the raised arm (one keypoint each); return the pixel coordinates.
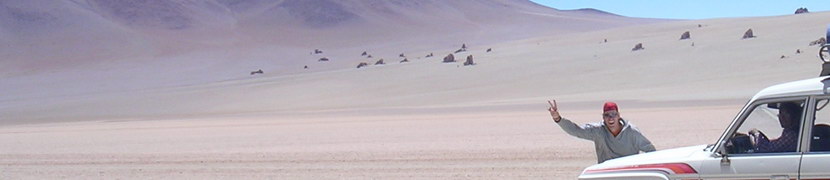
(587, 132)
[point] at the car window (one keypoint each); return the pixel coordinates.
(769, 128)
(820, 141)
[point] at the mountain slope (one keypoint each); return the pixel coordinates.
(79, 48)
(50, 31)
(572, 68)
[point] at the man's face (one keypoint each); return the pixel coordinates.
(611, 118)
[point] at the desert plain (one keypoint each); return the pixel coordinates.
(194, 111)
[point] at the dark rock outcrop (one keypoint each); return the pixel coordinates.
(323, 59)
(401, 55)
(819, 42)
(489, 49)
(802, 10)
(369, 56)
(463, 48)
(429, 55)
(380, 62)
(362, 64)
(638, 47)
(305, 67)
(469, 61)
(404, 60)
(748, 34)
(685, 35)
(364, 53)
(317, 51)
(257, 72)
(449, 58)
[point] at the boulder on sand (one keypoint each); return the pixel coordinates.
(748, 34)
(638, 47)
(257, 72)
(802, 10)
(685, 35)
(469, 61)
(362, 64)
(449, 58)
(819, 42)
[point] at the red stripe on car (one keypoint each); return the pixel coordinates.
(674, 168)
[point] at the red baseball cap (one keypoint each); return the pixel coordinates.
(610, 106)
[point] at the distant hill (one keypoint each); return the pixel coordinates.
(592, 11)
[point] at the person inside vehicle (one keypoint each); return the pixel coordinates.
(613, 137)
(789, 115)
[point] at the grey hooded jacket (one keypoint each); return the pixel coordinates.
(629, 142)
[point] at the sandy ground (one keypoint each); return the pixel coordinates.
(517, 142)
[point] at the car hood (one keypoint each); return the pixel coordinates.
(687, 155)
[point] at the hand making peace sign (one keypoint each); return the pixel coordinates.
(554, 111)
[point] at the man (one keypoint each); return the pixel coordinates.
(613, 137)
(789, 115)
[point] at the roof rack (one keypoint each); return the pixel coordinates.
(824, 54)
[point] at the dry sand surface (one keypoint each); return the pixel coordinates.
(417, 145)
(198, 114)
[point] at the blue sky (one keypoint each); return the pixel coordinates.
(691, 9)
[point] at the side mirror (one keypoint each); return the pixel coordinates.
(721, 152)
(724, 160)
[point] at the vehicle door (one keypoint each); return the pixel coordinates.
(761, 144)
(815, 163)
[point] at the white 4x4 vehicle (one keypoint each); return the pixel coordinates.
(783, 132)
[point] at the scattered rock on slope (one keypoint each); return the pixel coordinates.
(801, 10)
(449, 58)
(469, 61)
(748, 34)
(638, 47)
(362, 64)
(685, 35)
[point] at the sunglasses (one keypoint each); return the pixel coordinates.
(610, 115)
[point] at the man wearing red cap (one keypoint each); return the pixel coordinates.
(613, 137)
